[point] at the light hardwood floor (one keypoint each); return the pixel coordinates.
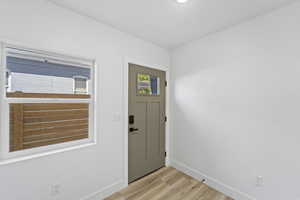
(168, 184)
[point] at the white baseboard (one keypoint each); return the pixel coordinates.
(213, 183)
(106, 191)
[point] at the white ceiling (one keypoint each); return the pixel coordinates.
(167, 23)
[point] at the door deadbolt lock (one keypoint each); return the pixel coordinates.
(131, 119)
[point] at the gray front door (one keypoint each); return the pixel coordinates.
(146, 134)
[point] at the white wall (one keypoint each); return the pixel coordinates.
(236, 106)
(41, 24)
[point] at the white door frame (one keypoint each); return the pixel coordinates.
(128, 61)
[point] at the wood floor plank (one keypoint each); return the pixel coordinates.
(140, 184)
(185, 190)
(116, 196)
(197, 192)
(220, 196)
(144, 190)
(168, 184)
(176, 189)
(209, 194)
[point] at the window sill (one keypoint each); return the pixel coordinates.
(46, 95)
(38, 155)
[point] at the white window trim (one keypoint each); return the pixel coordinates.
(9, 157)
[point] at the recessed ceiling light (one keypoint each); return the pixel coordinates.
(181, 1)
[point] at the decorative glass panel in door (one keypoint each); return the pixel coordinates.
(148, 85)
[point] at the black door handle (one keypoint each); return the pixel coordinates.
(133, 129)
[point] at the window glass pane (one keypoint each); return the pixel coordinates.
(148, 84)
(41, 76)
(42, 124)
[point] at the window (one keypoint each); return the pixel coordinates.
(48, 98)
(148, 85)
(80, 85)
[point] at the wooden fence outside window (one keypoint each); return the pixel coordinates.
(40, 124)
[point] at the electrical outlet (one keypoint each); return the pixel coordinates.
(55, 190)
(259, 181)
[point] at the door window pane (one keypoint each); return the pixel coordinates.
(148, 85)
